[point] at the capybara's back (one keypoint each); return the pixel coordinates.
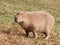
(36, 21)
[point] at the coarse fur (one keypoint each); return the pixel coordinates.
(35, 21)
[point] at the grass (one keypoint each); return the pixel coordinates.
(8, 9)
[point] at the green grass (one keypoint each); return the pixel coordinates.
(8, 8)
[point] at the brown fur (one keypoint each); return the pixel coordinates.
(35, 21)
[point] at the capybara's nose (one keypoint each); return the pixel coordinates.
(15, 19)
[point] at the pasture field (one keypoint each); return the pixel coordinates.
(13, 34)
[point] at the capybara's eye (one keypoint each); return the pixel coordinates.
(21, 14)
(17, 13)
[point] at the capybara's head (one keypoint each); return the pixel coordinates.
(19, 17)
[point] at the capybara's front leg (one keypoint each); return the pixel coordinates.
(34, 34)
(27, 33)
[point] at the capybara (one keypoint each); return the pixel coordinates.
(35, 21)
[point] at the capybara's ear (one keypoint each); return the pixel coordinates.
(22, 13)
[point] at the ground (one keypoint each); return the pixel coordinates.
(13, 34)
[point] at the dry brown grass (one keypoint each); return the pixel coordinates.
(13, 38)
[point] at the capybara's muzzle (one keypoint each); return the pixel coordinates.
(15, 19)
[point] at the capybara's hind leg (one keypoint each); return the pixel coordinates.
(34, 34)
(47, 34)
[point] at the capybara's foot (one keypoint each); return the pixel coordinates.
(46, 38)
(35, 35)
(46, 35)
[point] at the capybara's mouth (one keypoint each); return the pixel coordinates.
(21, 22)
(15, 20)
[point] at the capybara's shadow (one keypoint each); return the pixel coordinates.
(24, 35)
